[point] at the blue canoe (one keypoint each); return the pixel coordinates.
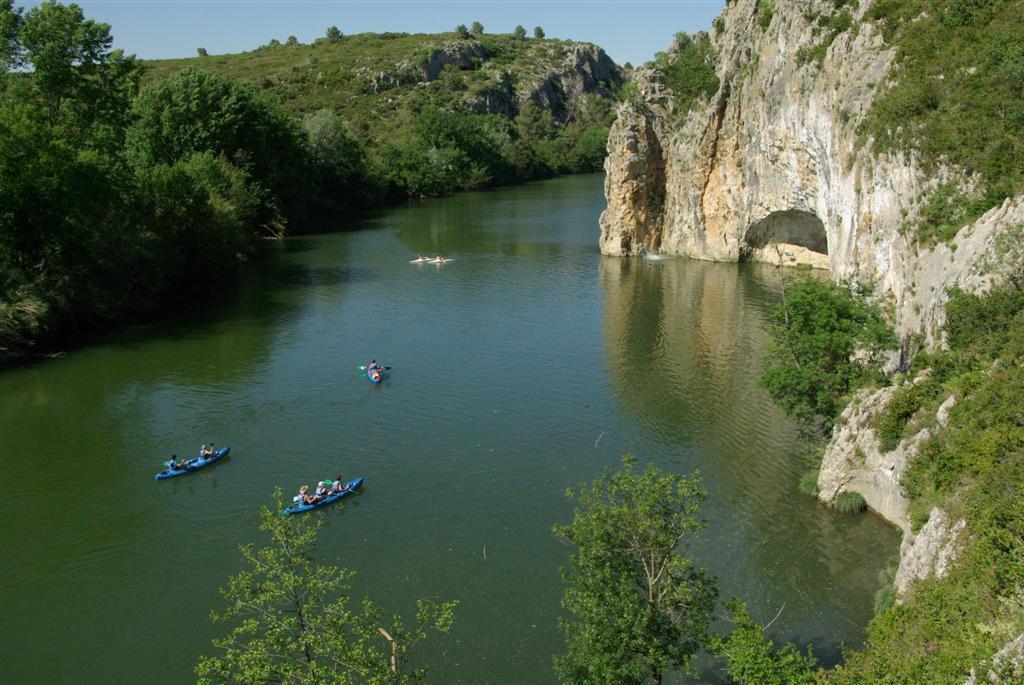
(299, 508)
(194, 464)
(375, 377)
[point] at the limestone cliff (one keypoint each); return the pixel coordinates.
(769, 168)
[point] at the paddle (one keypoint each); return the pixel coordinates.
(362, 367)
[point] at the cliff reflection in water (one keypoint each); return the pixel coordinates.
(683, 342)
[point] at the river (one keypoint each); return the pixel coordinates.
(523, 367)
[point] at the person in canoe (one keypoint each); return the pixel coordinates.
(176, 462)
(304, 497)
(206, 451)
(374, 366)
(338, 486)
(321, 489)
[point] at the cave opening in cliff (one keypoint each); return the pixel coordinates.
(790, 235)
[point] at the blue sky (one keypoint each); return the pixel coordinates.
(629, 31)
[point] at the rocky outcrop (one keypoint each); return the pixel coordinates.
(930, 552)
(584, 69)
(461, 55)
(770, 167)
(1005, 667)
(853, 461)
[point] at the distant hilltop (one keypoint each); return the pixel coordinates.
(375, 80)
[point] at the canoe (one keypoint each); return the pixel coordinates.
(194, 464)
(299, 508)
(375, 376)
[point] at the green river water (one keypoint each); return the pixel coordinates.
(521, 368)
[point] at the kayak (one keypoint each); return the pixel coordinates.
(441, 260)
(194, 464)
(421, 260)
(299, 508)
(375, 376)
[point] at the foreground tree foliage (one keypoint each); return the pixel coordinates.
(826, 338)
(754, 660)
(294, 623)
(640, 607)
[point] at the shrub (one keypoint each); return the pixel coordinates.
(689, 72)
(765, 12)
(891, 423)
(809, 483)
(849, 502)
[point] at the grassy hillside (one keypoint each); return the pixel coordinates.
(375, 81)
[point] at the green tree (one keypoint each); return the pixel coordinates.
(333, 34)
(71, 61)
(292, 40)
(202, 52)
(519, 33)
(10, 47)
(825, 339)
(477, 28)
(293, 622)
(194, 111)
(640, 607)
(754, 660)
(538, 33)
(462, 31)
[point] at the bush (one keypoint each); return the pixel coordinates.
(891, 423)
(809, 483)
(849, 502)
(690, 72)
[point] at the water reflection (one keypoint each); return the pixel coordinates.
(683, 341)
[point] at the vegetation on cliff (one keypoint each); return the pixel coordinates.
(973, 468)
(954, 96)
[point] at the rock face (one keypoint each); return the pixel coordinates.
(930, 552)
(769, 168)
(854, 462)
(559, 76)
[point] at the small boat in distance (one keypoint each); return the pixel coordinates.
(441, 260)
(420, 260)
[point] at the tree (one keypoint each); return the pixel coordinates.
(640, 607)
(293, 622)
(538, 33)
(825, 338)
(333, 34)
(10, 47)
(754, 660)
(195, 111)
(202, 52)
(462, 31)
(71, 60)
(519, 33)
(292, 40)
(478, 28)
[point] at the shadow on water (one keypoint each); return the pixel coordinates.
(683, 341)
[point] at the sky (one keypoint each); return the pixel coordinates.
(155, 29)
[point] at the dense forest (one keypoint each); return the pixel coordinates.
(118, 187)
